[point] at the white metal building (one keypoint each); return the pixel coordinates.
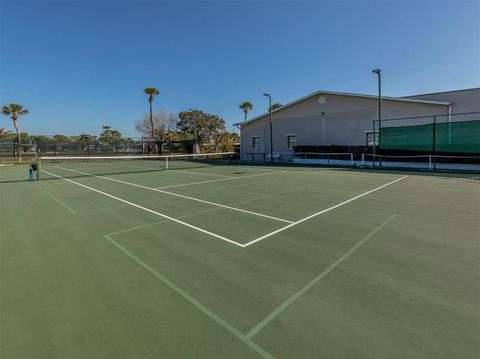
(326, 118)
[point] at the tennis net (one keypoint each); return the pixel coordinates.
(79, 166)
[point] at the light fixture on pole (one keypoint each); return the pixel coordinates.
(269, 95)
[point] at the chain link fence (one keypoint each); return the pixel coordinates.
(50, 147)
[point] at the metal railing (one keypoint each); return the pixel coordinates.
(427, 162)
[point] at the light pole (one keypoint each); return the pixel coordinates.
(269, 95)
(195, 148)
(379, 74)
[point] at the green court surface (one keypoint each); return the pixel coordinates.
(238, 262)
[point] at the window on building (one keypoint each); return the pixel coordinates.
(372, 139)
(256, 143)
(291, 141)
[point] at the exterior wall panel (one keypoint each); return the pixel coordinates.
(342, 120)
(462, 100)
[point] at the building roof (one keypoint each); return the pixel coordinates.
(321, 92)
(439, 93)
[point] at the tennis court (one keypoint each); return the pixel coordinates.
(238, 261)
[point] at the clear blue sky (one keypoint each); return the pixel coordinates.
(79, 64)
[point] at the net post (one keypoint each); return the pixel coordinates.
(430, 162)
(166, 163)
(363, 159)
(351, 159)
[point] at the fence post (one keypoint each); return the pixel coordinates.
(374, 138)
(434, 143)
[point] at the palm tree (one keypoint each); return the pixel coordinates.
(246, 106)
(276, 106)
(14, 110)
(151, 92)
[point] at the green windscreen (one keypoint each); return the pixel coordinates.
(461, 136)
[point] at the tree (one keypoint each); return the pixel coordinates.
(163, 124)
(151, 92)
(108, 135)
(225, 140)
(60, 138)
(84, 137)
(276, 106)
(246, 106)
(4, 132)
(40, 138)
(204, 126)
(128, 140)
(14, 110)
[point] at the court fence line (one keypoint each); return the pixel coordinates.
(426, 162)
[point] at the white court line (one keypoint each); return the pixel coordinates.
(315, 280)
(146, 209)
(219, 180)
(202, 173)
(130, 229)
(321, 212)
(179, 195)
(58, 201)
(89, 211)
(319, 172)
(209, 210)
(262, 352)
